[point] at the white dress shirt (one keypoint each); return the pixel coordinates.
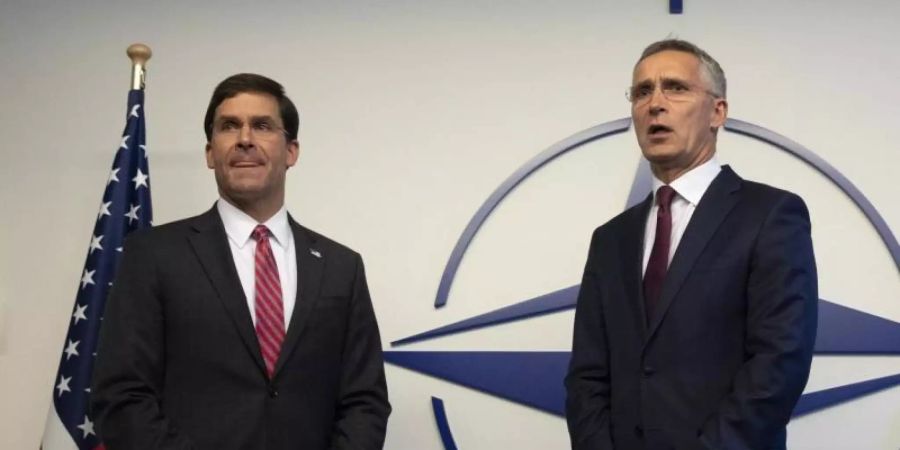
(689, 189)
(239, 228)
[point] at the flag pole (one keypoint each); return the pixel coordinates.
(139, 54)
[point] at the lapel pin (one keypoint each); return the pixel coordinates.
(315, 253)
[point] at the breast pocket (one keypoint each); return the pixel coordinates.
(715, 262)
(332, 302)
(328, 317)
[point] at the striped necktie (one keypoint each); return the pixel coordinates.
(268, 305)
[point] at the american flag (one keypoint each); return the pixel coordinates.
(125, 207)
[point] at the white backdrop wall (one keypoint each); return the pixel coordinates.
(412, 113)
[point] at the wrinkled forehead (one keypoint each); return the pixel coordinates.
(668, 64)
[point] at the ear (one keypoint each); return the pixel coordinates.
(293, 152)
(719, 113)
(209, 156)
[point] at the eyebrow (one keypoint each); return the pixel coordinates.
(252, 119)
(663, 80)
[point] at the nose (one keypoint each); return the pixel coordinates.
(657, 102)
(245, 140)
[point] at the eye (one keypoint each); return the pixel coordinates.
(675, 86)
(642, 91)
(263, 125)
(228, 125)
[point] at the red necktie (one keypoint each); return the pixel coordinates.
(269, 307)
(659, 255)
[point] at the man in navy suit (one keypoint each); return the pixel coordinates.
(239, 328)
(697, 312)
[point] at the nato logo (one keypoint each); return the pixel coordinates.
(513, 375)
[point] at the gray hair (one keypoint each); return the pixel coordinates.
(714, 73)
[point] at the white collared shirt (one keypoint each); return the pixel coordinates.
(689, 188)
(239, 228)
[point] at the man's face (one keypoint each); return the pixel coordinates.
(249, 150)
(675, 130)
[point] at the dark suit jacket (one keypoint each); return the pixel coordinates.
(179, 365)
(727, 355)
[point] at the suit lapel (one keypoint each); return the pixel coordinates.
(632, 252)
(310, 262)
(715, 205)
(210, 243)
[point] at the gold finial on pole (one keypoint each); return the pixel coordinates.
(139, 54)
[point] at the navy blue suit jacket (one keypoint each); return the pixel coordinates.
(724, 360)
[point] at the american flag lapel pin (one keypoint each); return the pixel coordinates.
(315, 253)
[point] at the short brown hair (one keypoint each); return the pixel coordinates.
(251, 82)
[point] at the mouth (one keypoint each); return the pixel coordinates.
(245, 164)
(658, 131)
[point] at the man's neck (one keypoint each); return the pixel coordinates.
(669, 173)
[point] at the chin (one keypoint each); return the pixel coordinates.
(243, 191)
(244, 182)
(660, 154)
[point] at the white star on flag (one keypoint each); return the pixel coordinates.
(87, 278)
(71, 349)
(79, 313)
(113, 176)
(124, 143)
(132, 213)
(63, 385)
(134, 111)
(144, 148)
(95, 244)
(104, 210)
(140, 180)
(87, 427)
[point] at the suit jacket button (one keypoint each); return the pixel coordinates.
(649, 371)
(273, 393)
(638, 431)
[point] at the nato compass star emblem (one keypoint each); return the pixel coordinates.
(513, 375)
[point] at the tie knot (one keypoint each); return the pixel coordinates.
(260, 233)
(664, 196)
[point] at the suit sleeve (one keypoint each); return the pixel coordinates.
(127, 380)
(782, 300)
(363, 407)
(588, 382)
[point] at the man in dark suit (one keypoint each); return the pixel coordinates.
(696, 316)
(239, 328)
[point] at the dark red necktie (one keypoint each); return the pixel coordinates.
(659, 255)
(269, 307)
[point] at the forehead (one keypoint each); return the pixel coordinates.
(668, 64)
(249, 104)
